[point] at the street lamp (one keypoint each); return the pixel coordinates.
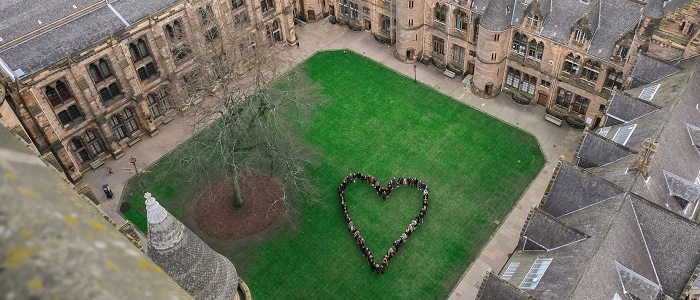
(415, 77)
(133, 162)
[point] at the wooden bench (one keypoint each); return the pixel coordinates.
(97, 163)
(553, 119)
(449, 73)
(133, 141)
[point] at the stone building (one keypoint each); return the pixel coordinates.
(566, 55)
(621, 220)
(86, 79)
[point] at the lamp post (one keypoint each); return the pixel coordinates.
(138, 174)
(415, 77)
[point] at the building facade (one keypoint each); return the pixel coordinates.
(91, 79)
(568, 56)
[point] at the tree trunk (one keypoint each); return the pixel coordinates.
(236, 197)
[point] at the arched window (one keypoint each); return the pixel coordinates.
(532, 49)
(590, 71)
(58, 94)
(266, 5)
(158, 103)
(174, 32)
(613, 79)
(519, 43)
(571, 64)
(564, 98)
(93, 143)
(477, 21)
(580, 105)
(512, 79)
(461, 21)
(440, 12)
(276, 32)
(139, 50)
(124, 125)
(110, 92)
(100, 71)
(529, 84)
(206, 14)
(79, 150)
(532, 20)
(540, 50)
(344, 7)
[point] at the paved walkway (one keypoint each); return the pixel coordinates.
(554, 141)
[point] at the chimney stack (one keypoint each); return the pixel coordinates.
(643, 161)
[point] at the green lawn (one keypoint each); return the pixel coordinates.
(381, 123)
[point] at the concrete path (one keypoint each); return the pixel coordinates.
(554, 141)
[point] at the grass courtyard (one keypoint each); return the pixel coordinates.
(378, 122)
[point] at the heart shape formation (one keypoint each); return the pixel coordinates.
(384, 193)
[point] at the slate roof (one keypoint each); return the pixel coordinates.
(685, 191)
(497, 15)
(574, 189)
(648, 70)
(495, 288)
(72, 36)
(596, 151)
(623, 108)
(616, 18)
(654, 9)
(694, 133)
(548, 232)
(199, 270)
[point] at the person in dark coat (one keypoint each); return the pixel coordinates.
(384, 194)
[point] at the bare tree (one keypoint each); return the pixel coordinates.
(239, 76)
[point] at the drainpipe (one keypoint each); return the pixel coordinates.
(447, 29)
(70, 155)
(425, 4)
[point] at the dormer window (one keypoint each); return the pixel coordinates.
(622, 52)
(532, 20)
(461, 20)
(100, 71)
(579, 36)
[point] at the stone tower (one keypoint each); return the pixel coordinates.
(492, 48)
(651, 17)
(409, 25)
(198, 269)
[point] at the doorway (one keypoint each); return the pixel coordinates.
(542, 99)
(409, 54)
(470, 68)
(596, 124)
(368, 25)
(331, 9)
(488, 89)
(311, 14)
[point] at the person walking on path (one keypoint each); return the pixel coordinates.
(110, 170)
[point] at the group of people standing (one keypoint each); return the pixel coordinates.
(384, 192)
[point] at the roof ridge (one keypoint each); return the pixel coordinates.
(560, 222)
(632, 151)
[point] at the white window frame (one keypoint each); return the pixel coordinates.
(539, 267)
(627, 137)
(508, 274)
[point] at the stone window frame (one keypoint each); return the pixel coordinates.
(100, 70)
(535, 51)
(236, 4)
(273, 32)
(124, 123)
(571, 64)
(580, 105)
(385, 24)
(613, 78)
(438, 45)
(354, 11)
(440, 13)
(564, 98)
(89, 147)
(458, 54)
(590, 71)
(158, 102)
(461, 20)
(63, 102)
(520, 41)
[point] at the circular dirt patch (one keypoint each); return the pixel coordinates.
(215, 214)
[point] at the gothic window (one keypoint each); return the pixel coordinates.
(71, 114)
(110, 92)
(564, 98)
(519, 43)
(613, 79)
(79, 150)
(241, 18)
(354, 11)
(237, 3)
(148, 71)
(206, 14)
(158, 103)
(513, 78)
(385, 23)
(590, 71)
(124, 125)
(438, 45)
(440, 12)
(174, 32)
(477, 21)
(579, 36)
(580, 105)
(532, 49)
(58, 93)
(540, 50)
(529, 84)
(273, 31)
(344, 7)
(100, 71)
(180, 52)
(461, 21)
(571, 64)
(93, 143)
(458, 54)
(410, 4)
(139, 50)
